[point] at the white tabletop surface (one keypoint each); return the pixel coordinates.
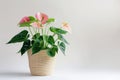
(62, 75)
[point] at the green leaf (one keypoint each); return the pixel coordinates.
(60, 37)
(32, 18)
(20, 37)
(26, 46)
(50, 20)
(32, 42)
(36, 36)
(38, 43)
(57, 30)
(62, 47)
(51, 40)
(36, 47)
(25, 24)
(51, 52)
(40, 38)
(55, 48)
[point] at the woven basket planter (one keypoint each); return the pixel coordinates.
(41, 64)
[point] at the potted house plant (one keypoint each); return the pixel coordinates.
(41, 41)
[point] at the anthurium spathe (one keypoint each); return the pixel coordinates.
(24, 19)
(44, 35)
(36, 24)
(41, 20)
(42, 17)
(66, 27)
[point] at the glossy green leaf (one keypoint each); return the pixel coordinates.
(38, 43)
(55, 48)
(36, 47)
(51, 40)
(57, 30)
(50, 20)
(25, 24)
(62, 47)
(26, 46)
(51, 52)
(40, 38)
(20, 37)
(60, 37)
(36, 36)
(32, 18)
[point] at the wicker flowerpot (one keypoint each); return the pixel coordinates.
(40, 64)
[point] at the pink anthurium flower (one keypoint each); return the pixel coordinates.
(66, 27)
(24, 19)
(36, 24)
(41, 17)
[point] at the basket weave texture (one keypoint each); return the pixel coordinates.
(41, 64)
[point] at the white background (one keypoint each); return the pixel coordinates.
(94, 42)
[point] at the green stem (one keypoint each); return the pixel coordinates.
(43, 37)
(30, 31)
(47, 32)
(46, 37)
(56, 39)
(38, 30)
(42, 31)
(54, 34)
(48, 29)
(34, 30)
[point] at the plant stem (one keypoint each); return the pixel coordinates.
(47, 31)
(42, 31)
(43, 37)
(54, 34)
(34, 30)
(38, 30)
(30, 31)
(56, 39)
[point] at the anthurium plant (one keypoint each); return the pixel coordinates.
(41, 35)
